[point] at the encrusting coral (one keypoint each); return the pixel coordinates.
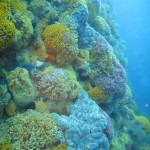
(6, 146)
(33, 129)
(145, 122)
(101, 25)
(97, 94)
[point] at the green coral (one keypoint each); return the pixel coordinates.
(71, 1)
(145, 122)
(15, 5)
(4, 9)
(7, 33)
(18, 5)
(24, 30)
(6, 145)
(33, 130)
(101, 26)
(21, 86)
(119, 141)
(92, 10)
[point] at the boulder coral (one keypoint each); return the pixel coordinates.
(101, 26)
(61, 42)
(107, 72)
(57, 88)
(84, 126)
(33, 129)
(114, 83)
(21, 87)
(7, 33)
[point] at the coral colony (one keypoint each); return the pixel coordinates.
(63, 82)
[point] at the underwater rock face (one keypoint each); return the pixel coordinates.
(84, 126)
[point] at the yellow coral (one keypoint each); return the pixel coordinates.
(53, 35)
(16, 5)
(145, 122)
(61, 42)
(41, 106)
(7, 33)
(4, 9)
(6, 146)
(97, 94)
(62, 146)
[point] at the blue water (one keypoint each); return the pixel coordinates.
(133, 18)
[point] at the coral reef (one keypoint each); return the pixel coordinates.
(84, 127)
(6, 146)
(97, 94)
(82, 66)
(101, 25)
(63, 83)
(21, 87)
(61, 42)
(114, 83)
(33, 129)
(57, 88)
(41, 106)
(7, 33)
(120, 141)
